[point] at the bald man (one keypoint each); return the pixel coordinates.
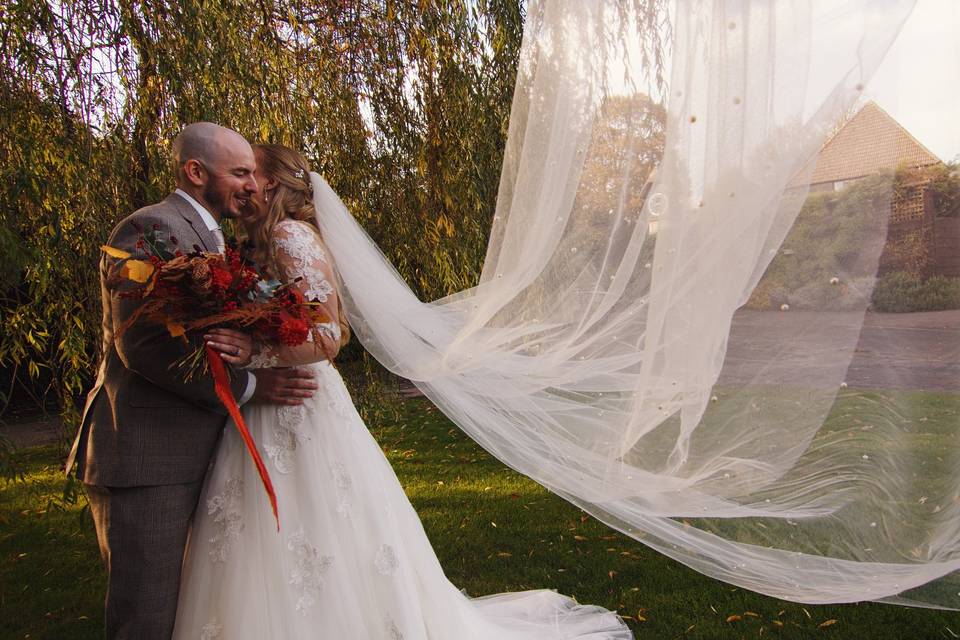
(147, 436)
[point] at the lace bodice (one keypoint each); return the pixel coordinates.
(301, 258)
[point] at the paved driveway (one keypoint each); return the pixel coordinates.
(892, 350)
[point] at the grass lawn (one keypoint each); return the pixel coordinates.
(493, 531)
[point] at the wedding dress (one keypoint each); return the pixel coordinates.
(351, 560)
(679, 353)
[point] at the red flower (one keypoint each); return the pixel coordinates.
(221, 278)
(293, 331)
(233, 258)
(293, 298)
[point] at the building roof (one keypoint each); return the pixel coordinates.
(870, 142)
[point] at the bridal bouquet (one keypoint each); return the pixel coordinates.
(191, 291)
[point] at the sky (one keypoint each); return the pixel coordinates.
(918, 82)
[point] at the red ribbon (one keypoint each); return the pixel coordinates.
(222, 386)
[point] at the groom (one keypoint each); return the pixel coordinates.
(147, 436)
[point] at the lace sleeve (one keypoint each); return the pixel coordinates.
(302, 260)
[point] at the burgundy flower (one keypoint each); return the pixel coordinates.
(294, 298)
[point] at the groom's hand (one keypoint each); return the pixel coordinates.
(283, 386)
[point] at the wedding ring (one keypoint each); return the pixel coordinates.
(236, 351)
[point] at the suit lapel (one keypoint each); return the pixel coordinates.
(191, 217)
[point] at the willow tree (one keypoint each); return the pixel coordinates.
(403, 108)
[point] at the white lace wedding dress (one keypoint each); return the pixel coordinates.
(351, 560)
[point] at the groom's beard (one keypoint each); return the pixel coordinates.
(215, 198)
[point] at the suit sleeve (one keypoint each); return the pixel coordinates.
(147, 348)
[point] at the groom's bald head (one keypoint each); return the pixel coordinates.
(215, 166)
(207, 143)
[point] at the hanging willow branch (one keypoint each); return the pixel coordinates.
(403, 107)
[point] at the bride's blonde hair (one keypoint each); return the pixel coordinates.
(292, 198)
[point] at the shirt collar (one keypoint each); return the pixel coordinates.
(206, 216)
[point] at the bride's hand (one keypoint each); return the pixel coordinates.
(234, 347)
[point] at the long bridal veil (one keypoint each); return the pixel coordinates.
(685, 352)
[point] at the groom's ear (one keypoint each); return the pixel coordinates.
(194, 172)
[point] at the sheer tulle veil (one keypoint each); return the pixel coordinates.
(626, 346)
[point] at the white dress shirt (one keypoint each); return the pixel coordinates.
(208, 219)
(213, 226)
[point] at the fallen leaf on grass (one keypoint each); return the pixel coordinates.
(826, 623)
(734, 618)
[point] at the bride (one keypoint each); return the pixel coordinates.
(351, 559)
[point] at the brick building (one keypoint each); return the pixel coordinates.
(872, 142)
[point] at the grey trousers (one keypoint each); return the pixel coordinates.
(142, 533)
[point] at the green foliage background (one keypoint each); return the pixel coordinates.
(403, 106)
(829, 259)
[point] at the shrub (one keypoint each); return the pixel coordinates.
(829, 258)
(903, 292)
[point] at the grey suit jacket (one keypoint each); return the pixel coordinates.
(143, 425)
